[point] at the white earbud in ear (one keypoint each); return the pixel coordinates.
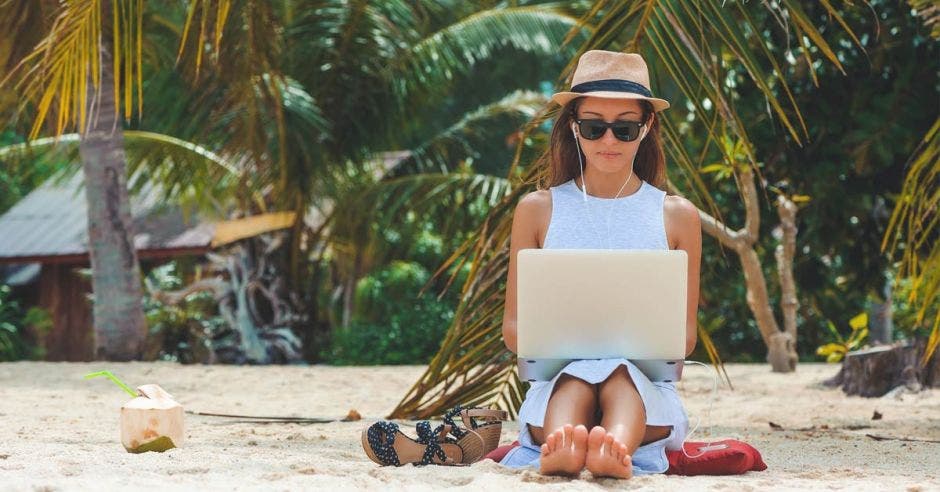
(574, 131)
(646, 127)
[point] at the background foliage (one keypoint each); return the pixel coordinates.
(294, 105)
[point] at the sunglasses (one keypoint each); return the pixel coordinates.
(625, 131)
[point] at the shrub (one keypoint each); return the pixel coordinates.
(183, 332)
(392, 324)
(13, 322)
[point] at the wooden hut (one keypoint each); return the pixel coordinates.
(44, 254)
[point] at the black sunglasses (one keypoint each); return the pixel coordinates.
(625, 131)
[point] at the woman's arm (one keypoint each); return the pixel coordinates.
(684, 231)
(528, 221)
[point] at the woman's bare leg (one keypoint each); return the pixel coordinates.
(622, 428)
(570, 411)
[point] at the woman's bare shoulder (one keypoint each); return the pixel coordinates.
(533, 213)
(681, 210)
(536, 202)
(683, 225)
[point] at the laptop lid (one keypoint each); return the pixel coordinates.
(591, 304)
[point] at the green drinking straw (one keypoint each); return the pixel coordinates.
(113, 378)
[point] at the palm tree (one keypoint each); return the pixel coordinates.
(72, 64)
(82, 69)
(696, 45)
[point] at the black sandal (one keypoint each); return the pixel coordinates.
(386, 445)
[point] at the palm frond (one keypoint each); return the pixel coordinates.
(62, 73)
(211, 27)
(187, 174)
(386, 203)
(915, 224)
(929, 11)
(435, 61)
(443, 151)
(476, 323)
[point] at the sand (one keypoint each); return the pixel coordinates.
(60, 432)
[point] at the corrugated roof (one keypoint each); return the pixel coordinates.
(51, 223)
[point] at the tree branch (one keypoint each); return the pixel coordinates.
(217, 286)
(751, 205)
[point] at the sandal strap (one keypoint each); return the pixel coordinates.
(432, 439)
(490, 415)
(455, 429)
(487, 413)
(385, 451)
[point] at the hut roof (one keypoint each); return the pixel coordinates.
(50, 225)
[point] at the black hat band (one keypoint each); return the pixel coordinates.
(612, 85)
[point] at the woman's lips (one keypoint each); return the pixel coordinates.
(608, 155)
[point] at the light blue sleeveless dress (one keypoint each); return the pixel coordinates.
(631, 222)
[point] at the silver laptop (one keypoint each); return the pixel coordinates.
(593, 304)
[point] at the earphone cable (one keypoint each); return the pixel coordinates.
(708, 412)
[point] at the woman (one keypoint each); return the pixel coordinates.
(606, 170)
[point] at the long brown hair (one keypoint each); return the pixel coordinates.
(562, 157)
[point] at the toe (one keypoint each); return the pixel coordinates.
(565, 437)
(626, 459)
(579, 438)
(609, 447)
(596, 438)
(550, 443)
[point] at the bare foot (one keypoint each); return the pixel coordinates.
(564, 450)
(606, 456)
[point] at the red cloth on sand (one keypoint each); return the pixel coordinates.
(728, 457)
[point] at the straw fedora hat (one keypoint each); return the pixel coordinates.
(611, 75)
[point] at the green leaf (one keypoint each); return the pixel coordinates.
(859, 321)
(857, 338)
(713, 168)
(831, 348)
(833, 330)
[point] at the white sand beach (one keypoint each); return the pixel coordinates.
(60, 432)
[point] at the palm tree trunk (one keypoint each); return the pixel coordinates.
(119, 326)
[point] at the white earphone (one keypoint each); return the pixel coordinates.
(574, 131)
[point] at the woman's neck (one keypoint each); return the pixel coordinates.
(609, 185)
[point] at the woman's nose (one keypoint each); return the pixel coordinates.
(608, 138)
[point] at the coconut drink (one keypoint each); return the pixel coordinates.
(151, 421)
